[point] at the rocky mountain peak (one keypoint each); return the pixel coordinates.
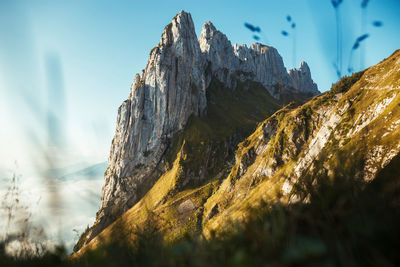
(218, 53)
(211, 38)
(302, 79)
(304, 66)
(180, 29)
(208, 30)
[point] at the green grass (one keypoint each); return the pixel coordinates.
(293, 129)
(212, 139)
(345, 221)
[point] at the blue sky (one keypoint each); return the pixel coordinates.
(100, 46)
(72, 62)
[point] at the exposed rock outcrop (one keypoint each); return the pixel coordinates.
(302, 79)
(258, 62)
(347, 133)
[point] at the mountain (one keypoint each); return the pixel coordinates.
(60, 172)
(195, 101)
(349, 134)
(91, 172)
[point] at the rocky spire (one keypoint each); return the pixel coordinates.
(217, 48)
(302, 80)
(218, 53)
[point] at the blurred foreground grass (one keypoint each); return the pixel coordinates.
(345, 223)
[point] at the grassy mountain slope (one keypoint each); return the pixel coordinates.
(349, 132)
(200, 156)
(346, 136)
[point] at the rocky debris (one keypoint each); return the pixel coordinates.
(185, 209)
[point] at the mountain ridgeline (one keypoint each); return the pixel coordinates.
(204, 85)
(210, 131)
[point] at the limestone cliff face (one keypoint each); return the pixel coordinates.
(171, 89)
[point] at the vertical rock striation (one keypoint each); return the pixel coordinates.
(170, 90)
(258, 62)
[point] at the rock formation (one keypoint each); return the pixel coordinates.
(302, 79)
(171, 89)
(350, 132)
(176, 150)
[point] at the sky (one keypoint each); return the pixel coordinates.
(66, 66)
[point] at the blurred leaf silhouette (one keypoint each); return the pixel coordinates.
(256, 29)
(252, 27)
(336, 3)
(338, 64)
(292, 33)
(377, 23)
(364, 3)
(362, 38)
(356, 45)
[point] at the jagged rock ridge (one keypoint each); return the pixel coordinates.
(171, 89)
(259, 62)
